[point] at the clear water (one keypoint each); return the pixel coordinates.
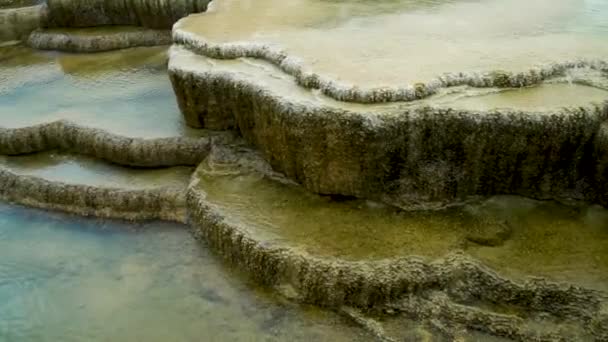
(545, 98)
(126, 92)
(64, 278)
(76, 169)
(397, 42)
(560, 242)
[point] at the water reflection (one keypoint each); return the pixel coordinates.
(126, 92)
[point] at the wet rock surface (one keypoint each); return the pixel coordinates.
(17, 23)
(476, 263)
(455, 290)
(67, 136)
(415, 157)
(404, 50)
(97, 39)
(142, 204)
(491, 232)
(17, 3)
(152, 14)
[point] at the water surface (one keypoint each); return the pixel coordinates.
(64, 278)
(399, 42)
(560, 242)
(78, 169)
(548, 97)
(126, 92)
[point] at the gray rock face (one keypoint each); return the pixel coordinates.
(17, 23)
(145, 204)
(417, 157)
(63, 135)
(77, 42)
(153, 14)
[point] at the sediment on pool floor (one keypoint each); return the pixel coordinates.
(412, 157)
(252, 242)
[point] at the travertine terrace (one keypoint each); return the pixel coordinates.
(383, 159)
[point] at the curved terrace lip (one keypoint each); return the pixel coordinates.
(349, 92)
(333, 281)
(183, 60)
(352, 134)
(97, 42)
(317, 278)
(139, 152)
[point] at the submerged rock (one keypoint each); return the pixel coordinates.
(489, 232)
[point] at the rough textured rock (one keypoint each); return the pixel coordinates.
(18, 3)
(371, 284)
(64, 135)
(17, 23)
(154, 14)
(75, 42)
(361, 94)
(417, 158)
(145, 204)
(440, 307)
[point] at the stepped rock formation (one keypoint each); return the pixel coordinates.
(151, 14)
(17, 23)
(85, 200)
(427, 140)
(63, 135)
(97, 40)
(452, 288)
(414, 157)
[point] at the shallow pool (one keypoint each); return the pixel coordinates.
(125, 92)
(64, 278)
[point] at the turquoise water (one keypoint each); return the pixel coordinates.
(126, 92)
(64, 278)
